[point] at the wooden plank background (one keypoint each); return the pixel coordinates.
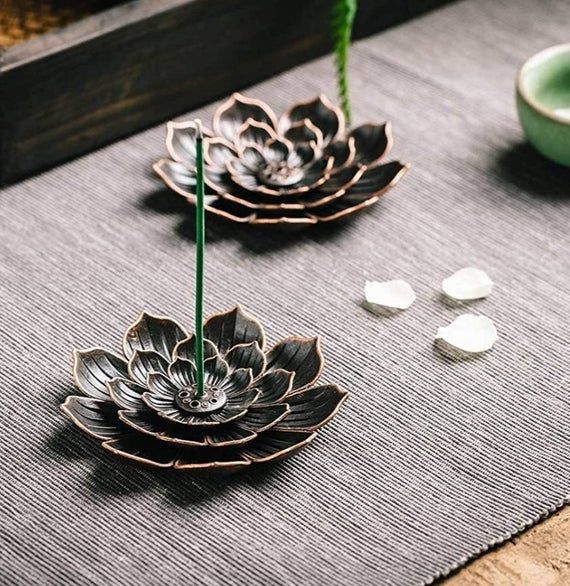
(122, 70)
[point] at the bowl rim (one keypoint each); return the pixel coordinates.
(530, 101)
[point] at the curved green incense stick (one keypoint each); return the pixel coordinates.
(199, 293)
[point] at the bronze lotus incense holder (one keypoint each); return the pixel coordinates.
(299, 170)
(258, 405)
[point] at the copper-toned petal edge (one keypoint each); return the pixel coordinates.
(192, 198)
(174, 378)
(260, 206)
(237, 442)
(110, 447)
(318, 140)
(237, 97)
(65, 407)
(256, 348)
(171, 127)
(374, 197)
(136, 357)
(123, 415)
(250, 122)
(142, 315)
(244, 314)
(317, 342)
(222, 466)
(210, 349)
(76, 375)
(309, 220)
(328, 198)
(282, 127)
(389, 140)
(275, 422)
(351, 154)
(343, 397)
(287, 391)
(216, 140)
(289, 451)
(118, 400)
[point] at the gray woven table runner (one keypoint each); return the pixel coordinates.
(430, 461)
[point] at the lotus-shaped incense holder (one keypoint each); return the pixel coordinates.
(258, 405)
(299, 170)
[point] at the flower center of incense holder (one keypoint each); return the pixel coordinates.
(213, 399)
(280, 174)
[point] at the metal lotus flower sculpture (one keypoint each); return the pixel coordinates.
(301, 169)
(257, 405)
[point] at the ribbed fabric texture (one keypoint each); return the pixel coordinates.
(430, 461)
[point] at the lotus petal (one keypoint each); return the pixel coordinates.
(469, 333)
(143, 362)
(218, 151)
(303, 154)
(216, 369)
(142, 420)
(235, 111)
(343, 152)
(187, 349)
(181, 141)
(467, 284)
(253, 158)
(182, 372)
(126, 393)
(341, 180)
(93, 368)
(247, 356)
(316, 173)
(149, 423)
(98, 418)
(161, 385)
(277, 150)
(244, 177)
(150, 332)
(226, 415)
(396, 294)
(159, 402)
(312, 408)
(372, 142)
(321, 112)
(301, 356)
(229, 436)
(253, 133)
(274, 386)
(375, 181)
(143, 450)
(183, 180)
(304, 131)
(261, 418)
(276, 445)
(231, 328)
(237, 382)
(243, 400)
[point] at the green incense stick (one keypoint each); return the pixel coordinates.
(199, 293)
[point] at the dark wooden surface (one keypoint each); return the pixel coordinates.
(119, 71)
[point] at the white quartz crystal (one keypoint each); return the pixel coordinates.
(469, 333)
(396, 294)
(467, 284)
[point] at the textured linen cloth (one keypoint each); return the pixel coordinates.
(430, 461)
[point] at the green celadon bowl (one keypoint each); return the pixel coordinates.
(543, 102)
